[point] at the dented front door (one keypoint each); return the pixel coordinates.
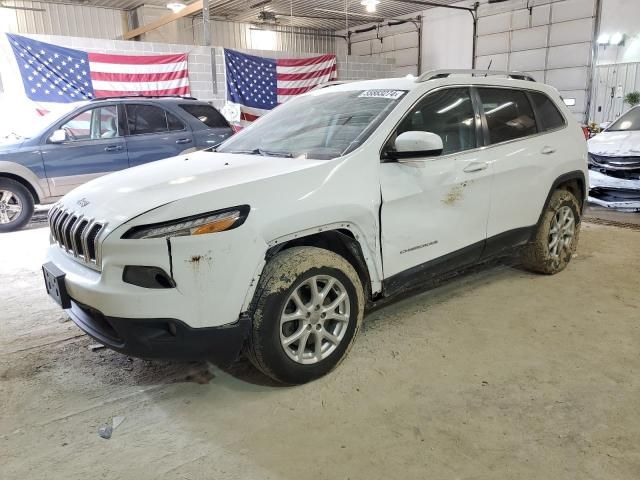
(436, 206)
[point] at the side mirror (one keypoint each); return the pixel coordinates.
(58, 136)
(416, 144)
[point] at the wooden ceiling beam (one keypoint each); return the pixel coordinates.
(190, 9)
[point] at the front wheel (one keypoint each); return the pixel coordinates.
(556, 239)
(307, 310)
(16, 205)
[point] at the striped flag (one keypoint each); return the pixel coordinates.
(51, 73)
(259, 84)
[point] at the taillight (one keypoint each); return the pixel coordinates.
(586, 132)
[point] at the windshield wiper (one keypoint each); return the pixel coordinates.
(267, 153)
(260, 151)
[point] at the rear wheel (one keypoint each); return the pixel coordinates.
(307, 310)
(556, 239)
(16, 205)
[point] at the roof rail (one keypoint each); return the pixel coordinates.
(332, 83)
(435, 74)
(113, 97)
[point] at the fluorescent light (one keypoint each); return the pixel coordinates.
(452, 106)
(616, 38)
(370, 5)
(569, 102)
(175, 7)
(498, 108)
(603, 39)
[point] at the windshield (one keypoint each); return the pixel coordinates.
(322, 127)
(628, 121)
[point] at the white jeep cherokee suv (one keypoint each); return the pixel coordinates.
(275, 243)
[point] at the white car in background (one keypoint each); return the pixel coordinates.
(275, 243)
(614, 164)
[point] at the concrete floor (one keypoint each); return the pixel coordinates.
(497, 375)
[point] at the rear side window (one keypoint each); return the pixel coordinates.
(207, 115)
(146, 119)
(547, 114)
(508, 112)
(174, 122)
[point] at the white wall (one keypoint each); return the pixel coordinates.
(620, 16)
(62, 19)
(552, 42)
(447, 39)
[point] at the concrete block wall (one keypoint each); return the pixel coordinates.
(199, 60)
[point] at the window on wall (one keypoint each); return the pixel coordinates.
(448, 113)
(547, 114)
(509, 114)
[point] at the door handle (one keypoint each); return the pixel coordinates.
(113, 148)
(183, 140)
(475, 167)
(547, 150)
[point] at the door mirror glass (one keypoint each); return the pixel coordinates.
(58, 136)
(415, 144)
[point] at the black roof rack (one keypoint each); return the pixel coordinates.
(183, 97)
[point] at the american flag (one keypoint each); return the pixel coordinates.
(259, 84)
(51, 73)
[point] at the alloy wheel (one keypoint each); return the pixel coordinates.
(10, 206)
(562, 232)
(315, 319)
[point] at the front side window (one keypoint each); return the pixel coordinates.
(207, 115)
(320, 126)
(146, 119)
(627, 122)
(448, 113)
(508, 112)
(547, 114)
(94, 124)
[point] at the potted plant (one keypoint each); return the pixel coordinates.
(632, 98)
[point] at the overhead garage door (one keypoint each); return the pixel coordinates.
(551, 40)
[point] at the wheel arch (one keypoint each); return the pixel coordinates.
(573, 181)
(23, 176)
(344, 239)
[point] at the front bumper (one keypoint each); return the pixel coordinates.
(162, 338)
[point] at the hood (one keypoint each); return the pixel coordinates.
(616, 144)
(10, 145)
(123, 195)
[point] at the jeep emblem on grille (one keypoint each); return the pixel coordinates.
(83, 202)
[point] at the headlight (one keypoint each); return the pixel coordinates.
(210, 222)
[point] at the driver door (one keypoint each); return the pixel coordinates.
(94, 145)
(435, 209)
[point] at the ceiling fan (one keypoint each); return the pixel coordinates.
(13, 7)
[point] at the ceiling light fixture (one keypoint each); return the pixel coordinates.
(603, 39)
(370, 5)
(175, 7)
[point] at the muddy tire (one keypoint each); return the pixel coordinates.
(16, 205)
(556, 239)
(307, 310)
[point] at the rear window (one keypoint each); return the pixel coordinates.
(547, 114)
(509, 114)
(207, 115)
(629, 121)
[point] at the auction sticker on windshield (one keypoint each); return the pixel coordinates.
(380, 93)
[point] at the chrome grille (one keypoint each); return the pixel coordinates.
(76, 234)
